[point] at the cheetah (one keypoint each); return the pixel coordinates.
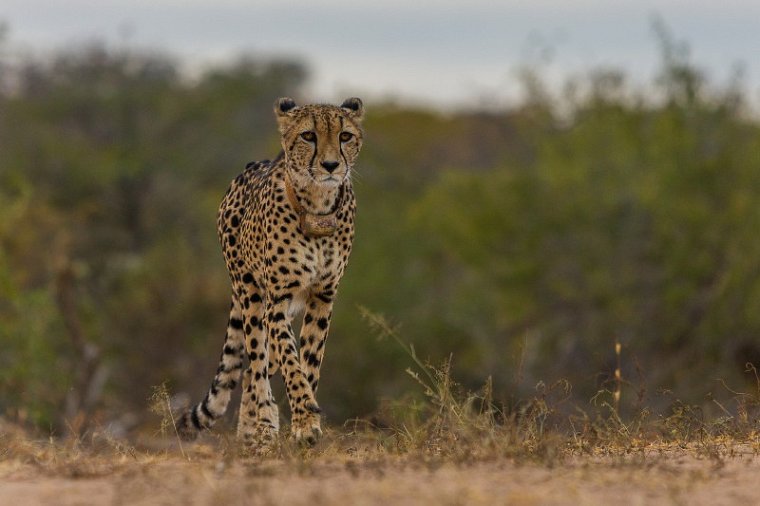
(286, 228)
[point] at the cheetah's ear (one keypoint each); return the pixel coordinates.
(355, 108)
(282, 108)
(283, 105)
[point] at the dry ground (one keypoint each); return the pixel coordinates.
(356, 472)
(451, 450)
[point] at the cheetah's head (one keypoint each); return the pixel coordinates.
(320, 142)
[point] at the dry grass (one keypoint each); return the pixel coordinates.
(450, 447)
(371, 467)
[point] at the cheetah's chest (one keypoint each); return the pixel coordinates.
(285, 259)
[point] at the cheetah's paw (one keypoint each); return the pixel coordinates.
(307, 429)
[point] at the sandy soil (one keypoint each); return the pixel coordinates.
(673, 477)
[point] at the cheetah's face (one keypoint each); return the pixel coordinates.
(321, 142)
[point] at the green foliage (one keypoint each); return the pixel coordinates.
(29, 319)
(111, 171)
(525, 241)
(633, 222)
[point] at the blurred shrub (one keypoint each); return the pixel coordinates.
(522, 241)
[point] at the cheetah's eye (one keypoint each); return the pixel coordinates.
(346, 136)
(309, 136)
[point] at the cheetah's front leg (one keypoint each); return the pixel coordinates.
(316, 323)
(258, 421)
(304, 410)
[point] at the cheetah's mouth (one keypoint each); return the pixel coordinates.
(329, 179)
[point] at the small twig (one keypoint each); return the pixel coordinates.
(750, 367)
(174, 425)
(723, 409)
(618, 378)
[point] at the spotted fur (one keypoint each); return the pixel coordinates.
(277, 269)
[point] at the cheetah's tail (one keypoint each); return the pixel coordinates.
(204, 414)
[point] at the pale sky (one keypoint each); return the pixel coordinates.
(438, 52)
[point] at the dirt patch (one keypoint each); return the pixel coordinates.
(656, 477)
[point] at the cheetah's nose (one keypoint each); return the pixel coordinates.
(330, 166)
